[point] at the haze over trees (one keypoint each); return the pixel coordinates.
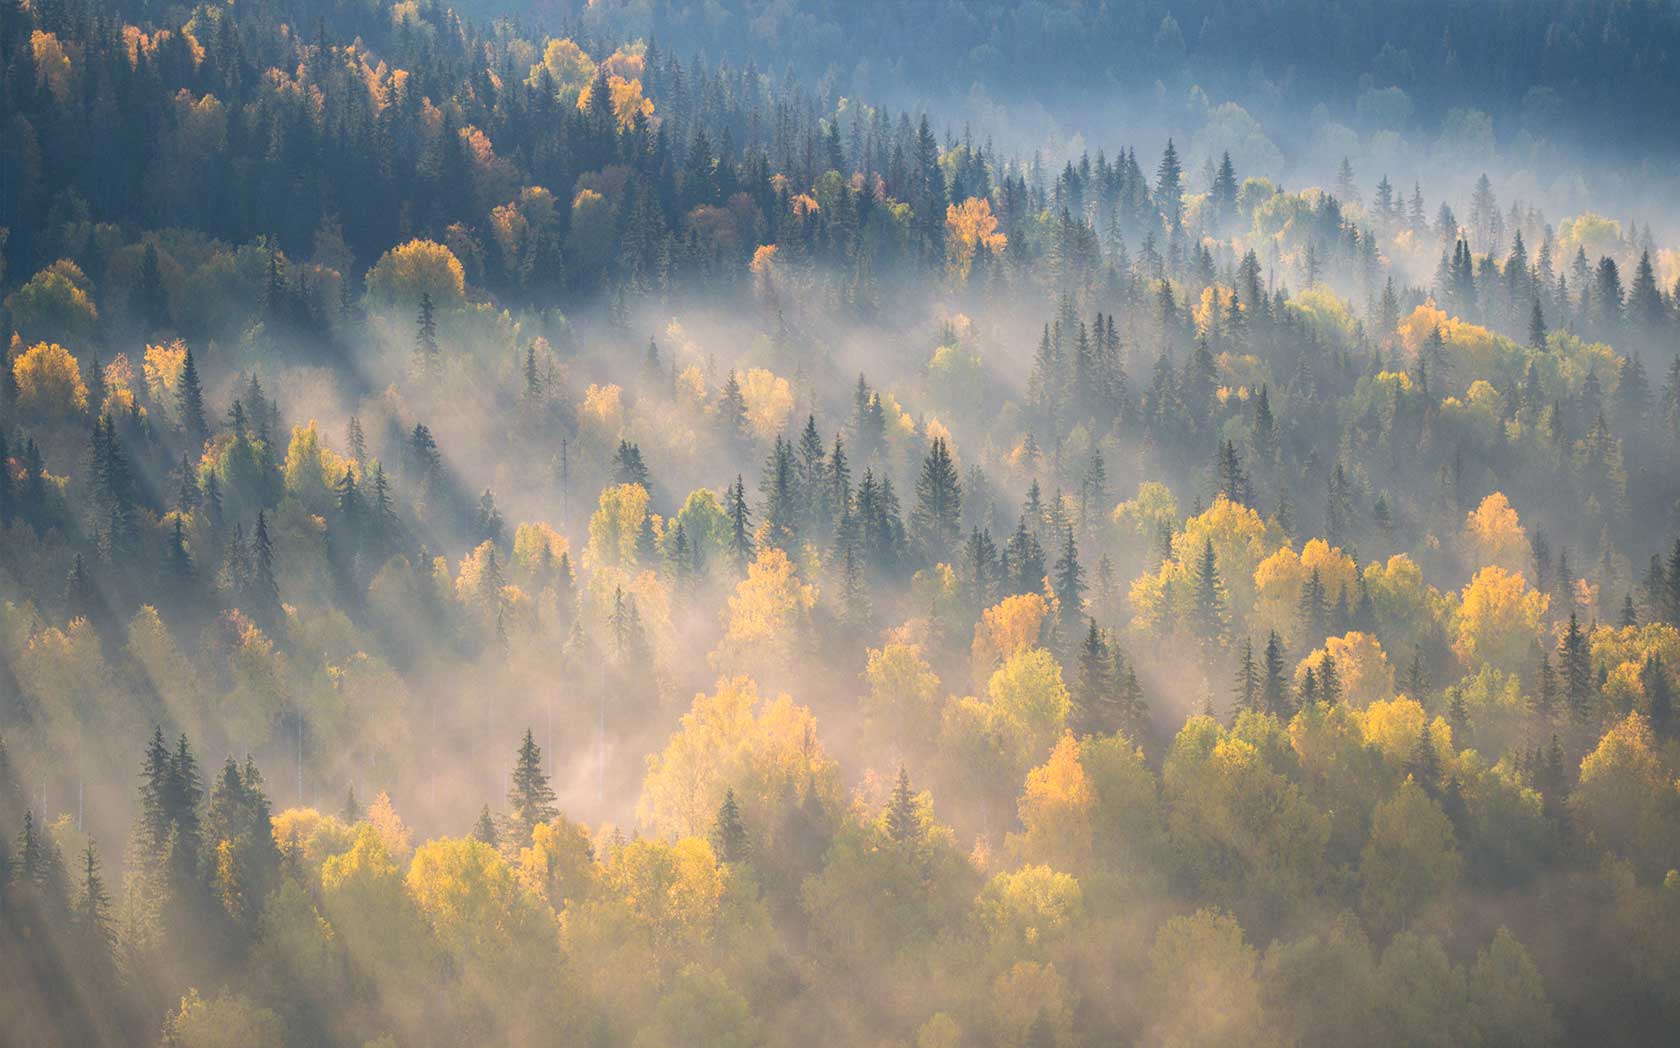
(522, 526)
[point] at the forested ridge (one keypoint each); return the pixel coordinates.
(558, 529)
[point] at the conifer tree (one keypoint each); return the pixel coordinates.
(1247, 684)
(936, 523)
(729, 833)
(1575, 662)
(1208, 603)
(1069, 579)
(1424, 765)
(484, 829)
(530, 798)
(426, 340)
(904, 822)
(1274, 685)
(740, 527)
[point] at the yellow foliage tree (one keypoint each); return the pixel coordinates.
(567, 64)
(1011, 626)
(1362, 668)
(1495, 536)
(615, 526)
(1498, 620)
(731, 739)
(769, 401)
(765, 622)
(49, 383)
(1055, 809)
(970, 227)
(418, 267)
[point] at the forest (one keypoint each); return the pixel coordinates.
(915, 525)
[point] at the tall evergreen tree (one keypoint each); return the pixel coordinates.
(530, 798)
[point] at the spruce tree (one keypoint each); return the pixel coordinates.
(530, 798)
(740, 527)
(1246, 687)
(1424, 764)
(1274, 681)
(936, 523)
(1069, 580)
(1659, 696)
(729, 833)
(1208, 602)
(1575, 662)
(484, 829)
(904, 822)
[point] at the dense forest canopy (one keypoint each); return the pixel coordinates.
(655, 524)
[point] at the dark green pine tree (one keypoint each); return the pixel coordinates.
(1544, 705)
(936, 524)
(1575, 662)
(779, 488)
(1630, 614)
(630, 468)
(904, 819)
(1274, 681)
(740, 527)
(729, 833)
(353, 812)
(1069, 580)
(1094, 683)
(190, 405)
(530, 798)
(1424, 764)
(484, 828)
(1314, 609)
(383, 526)
(487, 524)
(1414, 683)
(1246, 687)
(262, 591)
(426, 340)
(732, 411)
(91, 929)
(1329, 681)
(1659, 695)
(1208, 603)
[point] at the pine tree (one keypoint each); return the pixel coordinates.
(426, 340)
(1095, 684)
(90, 922)
(1247, 684)
(732, 411)
(1659, 696)
(904, 821)
(1169, 187)
(854, 594)
(484, 828)
(262, 590)
(729, 833)
(530, 798)
(1208, 603)
(1069, 580)
(1575, 661)
(740, 526)
(1544, 706)
(937, 520)
(190, 404)
(779, 488)
(1274, 682)
(1424, 764)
